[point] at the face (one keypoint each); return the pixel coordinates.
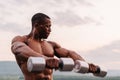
(43, 29)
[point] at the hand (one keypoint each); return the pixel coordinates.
(94, 68)
(52, 63)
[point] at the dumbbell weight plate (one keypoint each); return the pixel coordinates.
(66, 64)
(35, 64)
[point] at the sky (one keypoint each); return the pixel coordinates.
(89, 27)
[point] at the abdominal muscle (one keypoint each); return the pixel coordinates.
(43, 75)
(43, 47)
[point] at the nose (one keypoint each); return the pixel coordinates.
(49, 29)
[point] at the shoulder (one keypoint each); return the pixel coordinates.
(19, 39)
(54, 44)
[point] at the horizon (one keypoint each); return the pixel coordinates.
(8, 61)
(16, 70)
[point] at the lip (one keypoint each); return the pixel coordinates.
(48, 33)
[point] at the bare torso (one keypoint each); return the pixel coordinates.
(44, 48)
(37, 48)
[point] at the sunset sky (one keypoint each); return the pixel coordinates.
(89, 27)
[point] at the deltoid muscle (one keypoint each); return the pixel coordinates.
(16, 46)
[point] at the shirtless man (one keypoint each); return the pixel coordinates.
(34, 44)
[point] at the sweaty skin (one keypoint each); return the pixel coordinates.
(35, 45)
(42, 49)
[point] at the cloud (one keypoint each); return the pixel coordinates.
(75, 13)
(70, 19)
(15, 15)
(75, 2)
(106, 55)
(14, 27)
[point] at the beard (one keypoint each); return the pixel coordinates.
(42, 36)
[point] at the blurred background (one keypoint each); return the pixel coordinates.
(89, 27)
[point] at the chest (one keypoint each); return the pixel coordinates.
(42, 47)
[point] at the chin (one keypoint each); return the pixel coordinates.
(45, 37)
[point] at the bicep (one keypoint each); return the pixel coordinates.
(58, 50)
(61, 52)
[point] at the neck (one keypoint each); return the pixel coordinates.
(34, 36)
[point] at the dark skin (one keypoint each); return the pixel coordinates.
(35, 45)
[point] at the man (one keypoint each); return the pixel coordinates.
(35, 45)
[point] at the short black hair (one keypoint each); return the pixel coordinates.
(39, 18)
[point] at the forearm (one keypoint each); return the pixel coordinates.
(24, 50)
(75, 56)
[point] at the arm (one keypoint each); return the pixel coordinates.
(20, 48)
(62, 52)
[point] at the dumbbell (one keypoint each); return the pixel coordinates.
(65, 64)
(39, 64)
(83, 67)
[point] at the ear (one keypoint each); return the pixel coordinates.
(36, 25)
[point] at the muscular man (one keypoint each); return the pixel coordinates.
(34, 44)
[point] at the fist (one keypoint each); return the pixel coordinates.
(52, 63)
(94, 68)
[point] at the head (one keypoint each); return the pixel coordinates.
(41, 25)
